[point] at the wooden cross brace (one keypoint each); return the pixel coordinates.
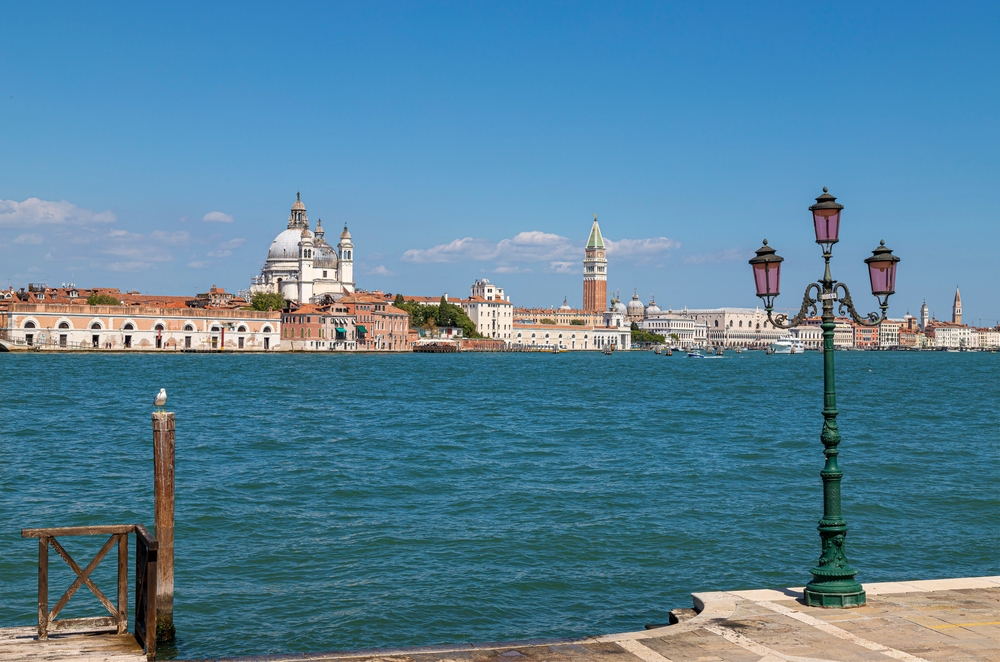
(83, 576)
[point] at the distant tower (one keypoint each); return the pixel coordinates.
(346, 260)
(924, 317)
(956, 308)
(595, 271)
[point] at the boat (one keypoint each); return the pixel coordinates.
(787, 345)
(668, 352)
(607, 350)
(696, 354)
(657, 350)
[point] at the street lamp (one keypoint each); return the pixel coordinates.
(833, 583)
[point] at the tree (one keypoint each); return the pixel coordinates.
(103, 300)
(675, 337)
(267, 301)
(577, 322)
(399, 301)
(635, 327)
(646, 336)
(546, 320)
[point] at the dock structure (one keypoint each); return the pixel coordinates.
(919, 621)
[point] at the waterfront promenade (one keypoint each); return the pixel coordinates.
(944, 619)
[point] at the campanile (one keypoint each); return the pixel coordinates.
(595, 271)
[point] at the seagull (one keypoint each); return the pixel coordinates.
(160, 399)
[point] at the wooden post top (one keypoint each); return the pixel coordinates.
(163, 420)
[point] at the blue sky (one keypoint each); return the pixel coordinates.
(159, 147)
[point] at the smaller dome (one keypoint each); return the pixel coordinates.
(297, 205)
(306, 233)
(565, 305)
(618, 307)
(635, 306)
(652, 308)
(345, 234)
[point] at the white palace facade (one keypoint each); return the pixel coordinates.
(302, 266)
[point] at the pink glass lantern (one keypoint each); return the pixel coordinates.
(767, 273)
(826, 218)
(882, 271)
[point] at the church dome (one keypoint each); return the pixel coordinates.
(297, 205)
(565, 305)
(635, 306)
(285, 245)
(652, 308)
(345, 234)
(618, 307)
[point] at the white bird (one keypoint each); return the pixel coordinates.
(160, 399)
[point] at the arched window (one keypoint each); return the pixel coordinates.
(95, 325)
(29, 325)
(158, 327)
(266, 329)
(741, 324)
(188, 327)
(63, 325)
(242, 329)
(128, 327)
(716, 323)
(215, 329)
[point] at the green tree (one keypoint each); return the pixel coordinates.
(577, 322)
(267, 301)
(646, 336)
(103, 300)
(675, 337)
(546, 320)
(399, 302)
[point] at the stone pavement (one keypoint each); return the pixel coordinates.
(945, 619)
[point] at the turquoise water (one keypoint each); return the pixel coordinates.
(334, 502)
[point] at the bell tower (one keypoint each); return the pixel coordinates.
(346, 248)
(956, 308)
(595, 271)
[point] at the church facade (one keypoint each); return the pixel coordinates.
(302, 266)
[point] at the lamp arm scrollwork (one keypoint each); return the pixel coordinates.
(845, 304)
(808, 309)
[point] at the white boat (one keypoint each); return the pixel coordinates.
(696, 354)
(788, 345)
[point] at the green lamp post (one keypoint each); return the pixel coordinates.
(833, 583)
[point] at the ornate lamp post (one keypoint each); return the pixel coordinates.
(833, 583)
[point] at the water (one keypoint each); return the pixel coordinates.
(334, 502)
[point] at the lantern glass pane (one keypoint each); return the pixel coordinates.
(766, 277)
(827, 222)
(883, 277)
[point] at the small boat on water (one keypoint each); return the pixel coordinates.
(607, 350)
(787, 345)
(696, 354)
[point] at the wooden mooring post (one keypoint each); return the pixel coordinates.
(163, 489)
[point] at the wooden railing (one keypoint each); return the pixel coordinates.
(145, 582)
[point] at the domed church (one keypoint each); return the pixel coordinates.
(302, 266)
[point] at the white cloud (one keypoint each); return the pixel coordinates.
(217, 217)
(380, 270)
(563, 267)
(510, 269)
(28, 239)
(728, 255)
(34, 212)
(225, 248)
(135, 265)
(640, 247)
(199, 265)
(534, 246)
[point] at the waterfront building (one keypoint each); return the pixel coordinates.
(564, 314)
(302, 266)
(677, 330)
(843, 331)
(595, 270)
(380, 326)
(139, 327)
(986, 338)
(492, 314)
(865, 337)
(312, 327)
(493, 318)
(956, 308)
(810, 336)
(888, 333)
(614, 331)
(735, 327)
(949, 334)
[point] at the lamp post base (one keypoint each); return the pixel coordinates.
(835, 595)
